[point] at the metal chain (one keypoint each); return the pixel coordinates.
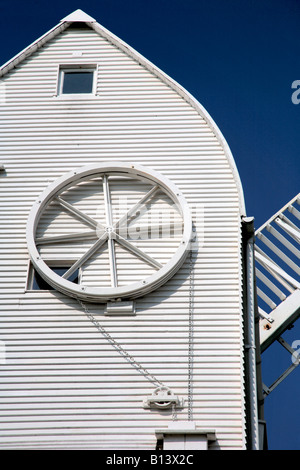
(141, 369)
(174, 412)
(190, 339)
(120, 350)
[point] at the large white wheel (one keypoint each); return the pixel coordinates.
(155, 247)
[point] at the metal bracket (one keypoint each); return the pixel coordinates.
(120, 308)
(163, 398)
(295, 362)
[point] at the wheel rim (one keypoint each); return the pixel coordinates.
(107, 230)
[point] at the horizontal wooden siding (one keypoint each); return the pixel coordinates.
(63, 385)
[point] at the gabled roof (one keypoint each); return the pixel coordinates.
(79, 16)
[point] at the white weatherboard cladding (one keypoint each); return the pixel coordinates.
(63, 385)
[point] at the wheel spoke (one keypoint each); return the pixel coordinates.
(111, 243)
(77, 213)
(136, 251)
(71, 237)
(112, 262)
(86, 256)
(107, 201)
(136, 207)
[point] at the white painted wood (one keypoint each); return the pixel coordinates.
(196, 443)
(79, 16)
(63, 384)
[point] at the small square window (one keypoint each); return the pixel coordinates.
(36, 282)
(76, 80)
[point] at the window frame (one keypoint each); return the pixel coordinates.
(63, 68)
(52, 263)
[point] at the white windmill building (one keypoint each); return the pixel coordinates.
(127, 261)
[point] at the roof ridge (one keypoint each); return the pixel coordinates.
(78, 16)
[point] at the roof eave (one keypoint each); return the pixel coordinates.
(32, 48)
(77, 16)
(185, 95)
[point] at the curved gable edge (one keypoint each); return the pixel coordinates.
(185, 95)
(101, 30)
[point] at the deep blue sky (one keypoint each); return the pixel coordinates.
(239, 59)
